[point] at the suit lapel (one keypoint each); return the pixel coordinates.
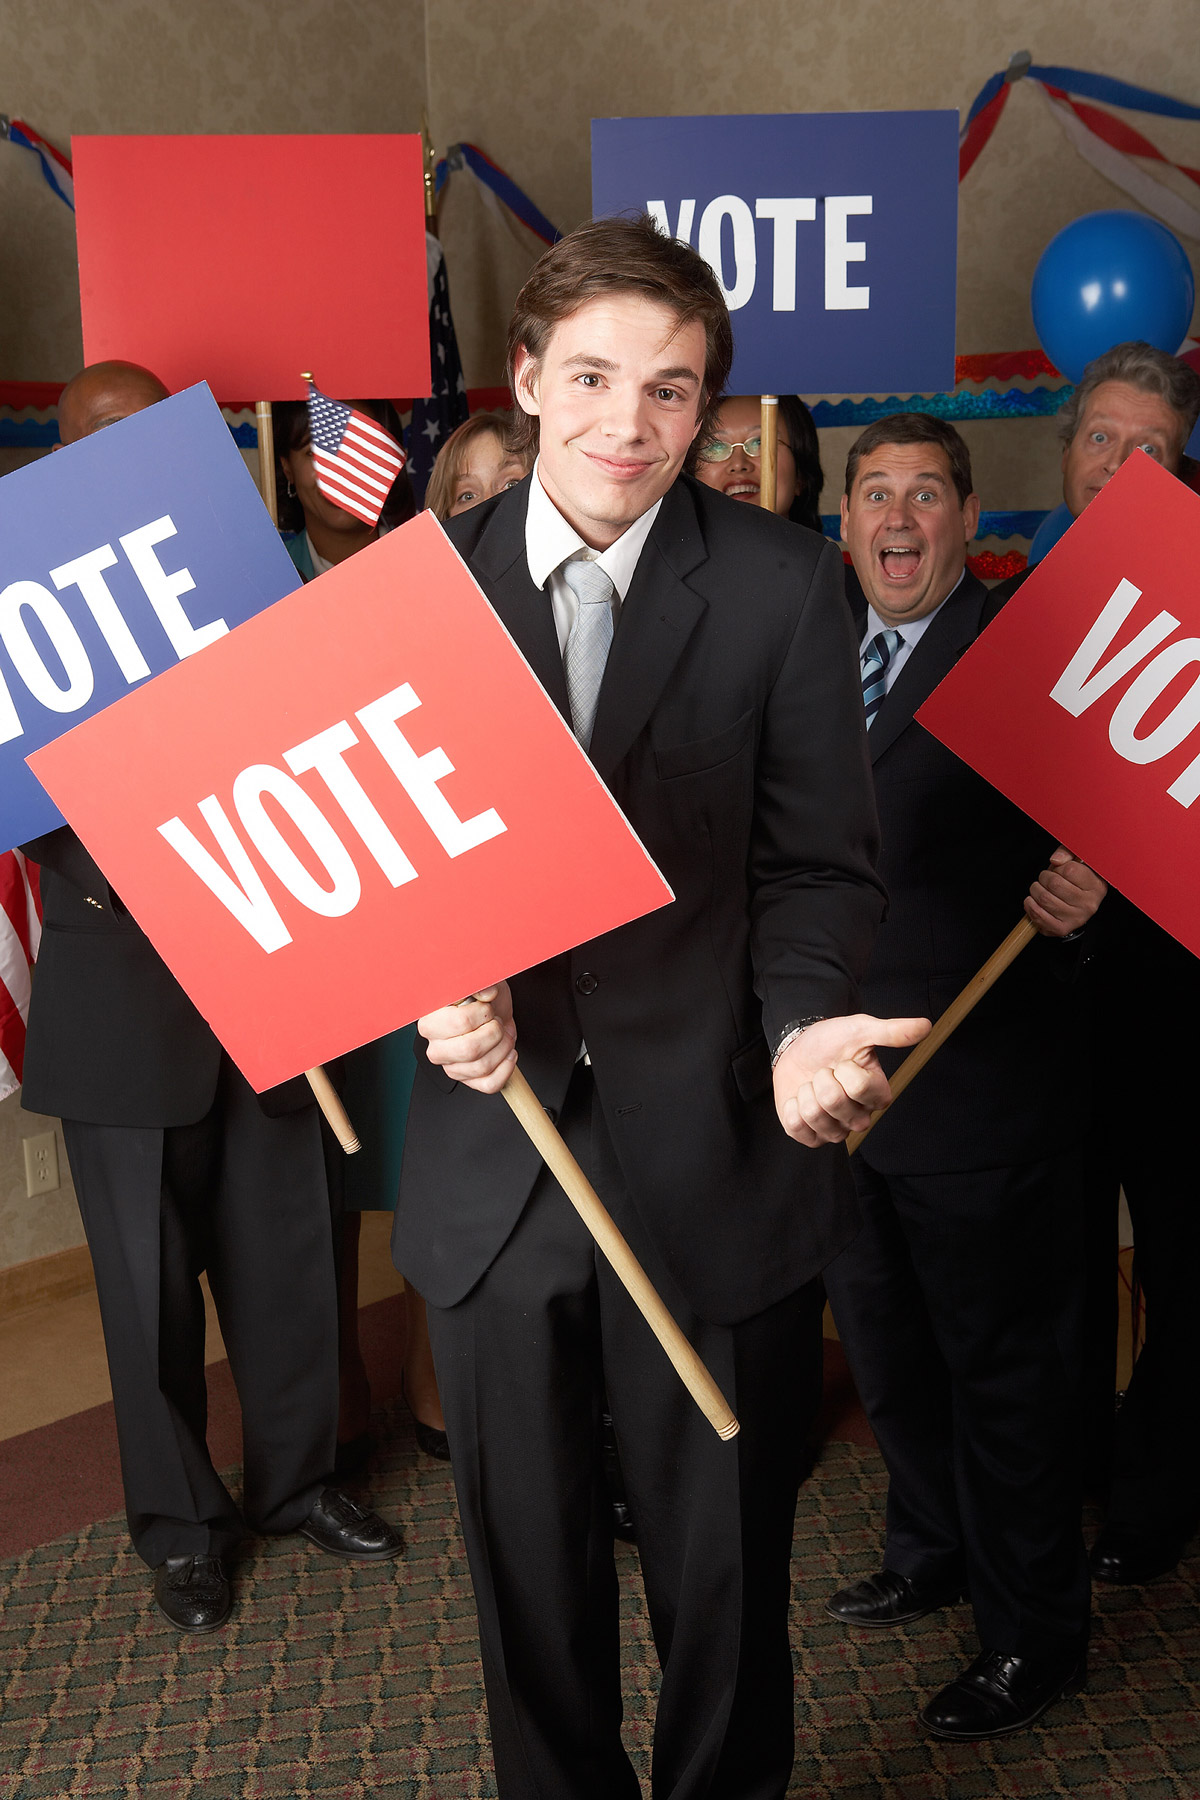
(658, 617)
(499, 563)
(942, 643)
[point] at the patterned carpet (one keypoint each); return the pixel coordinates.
(334, 1680)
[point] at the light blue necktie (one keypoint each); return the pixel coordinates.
(588, 642)
(875, 659)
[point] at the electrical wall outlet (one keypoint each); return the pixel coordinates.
(41, 1164)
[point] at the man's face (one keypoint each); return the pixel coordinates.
(104, 394)
(1117, 420)
(619, 394)
(907, 530)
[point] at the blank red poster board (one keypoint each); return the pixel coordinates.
(1081, 701)
(242, 261)
(355, 807)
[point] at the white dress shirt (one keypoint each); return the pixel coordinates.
(911, 634)
(550, 542)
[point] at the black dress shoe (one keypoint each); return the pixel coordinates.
(999, 1694)
(891, 1599)
(343, 1528)
(1130, 1558)
(429, 1439)
(432, 1441)
(193, 1592)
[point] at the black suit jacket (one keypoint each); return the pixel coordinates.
(113, 1039)
(729, 729)
(958, 860)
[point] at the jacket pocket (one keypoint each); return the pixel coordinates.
(673, 760)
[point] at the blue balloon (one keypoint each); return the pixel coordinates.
(1105, 279)
(1049, 532)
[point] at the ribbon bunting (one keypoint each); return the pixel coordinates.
(55, 166)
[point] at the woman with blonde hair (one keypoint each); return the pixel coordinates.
(475, 462)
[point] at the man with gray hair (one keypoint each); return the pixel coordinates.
(1135, 397)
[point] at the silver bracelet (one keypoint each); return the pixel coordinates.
(791, 1032)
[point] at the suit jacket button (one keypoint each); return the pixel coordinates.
(587, 983)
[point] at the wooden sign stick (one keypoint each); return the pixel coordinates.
(325, 1093)
(767, 451)
(625, 1265)
(955, 1013)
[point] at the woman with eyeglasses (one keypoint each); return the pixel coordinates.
(731, 460)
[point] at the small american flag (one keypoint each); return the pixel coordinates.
(20, 931)
(356, 460)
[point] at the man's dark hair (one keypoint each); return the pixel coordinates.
(914, 428)
(619, 256)
(1139, 365)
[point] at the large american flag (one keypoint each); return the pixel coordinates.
(356, 461)
(434, 419)
(20, 934)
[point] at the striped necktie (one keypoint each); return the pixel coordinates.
(875, 659)
(587, 643)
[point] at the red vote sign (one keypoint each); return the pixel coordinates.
(1081, 701)
(355, 807)
(195, 259)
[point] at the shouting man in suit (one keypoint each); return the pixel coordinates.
(702, 651)
(958, 1303)
(181, 1168)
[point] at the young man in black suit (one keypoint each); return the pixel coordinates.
(179, 1167)
(702, 651)
(958, 1302)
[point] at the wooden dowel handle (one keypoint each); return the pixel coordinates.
(628, 1270)
(266, 458)
(768, 451)
(955, 1013)
(329, 1101)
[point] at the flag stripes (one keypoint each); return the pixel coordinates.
(356, 461)
(20, 934)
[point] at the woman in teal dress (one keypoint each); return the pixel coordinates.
(379, 1076)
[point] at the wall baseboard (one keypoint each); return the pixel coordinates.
(56, 1277)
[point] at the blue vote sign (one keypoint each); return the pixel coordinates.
(833, 236)
(119, 556)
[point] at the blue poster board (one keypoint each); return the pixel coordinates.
(834, 237)
(119, 556)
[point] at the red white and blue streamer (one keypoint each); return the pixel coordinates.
(1113, 147)
(55, 166)
(471, 159)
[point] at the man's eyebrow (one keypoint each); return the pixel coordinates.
(680, 373)
(584, 361)
(886, 475)
(1114, 419)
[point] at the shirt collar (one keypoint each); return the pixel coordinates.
(914, 630)
(550, 540)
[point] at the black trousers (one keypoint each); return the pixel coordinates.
(959, 1309)
(244, 1197)
(1144, 987)
(1155, 1484)
(522, 1366)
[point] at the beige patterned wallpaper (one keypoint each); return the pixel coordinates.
(524, 81)
(172, 66)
